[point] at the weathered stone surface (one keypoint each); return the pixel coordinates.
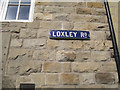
(43, 16)
(83, 56)
(13, 67)
(90, 26)
(100, 55)
(95, 4)
(67, 25)
(20, 54)
(65, 56)
(12, 29)
(50, 24)
(52, 79)
(100, 45)
(52, 44)
(5, 40)
(77, 17)
(97, 19)
(60, 17)
(70, 45)
(99, 12)
(108, 45)
(87, 78)
(34, 43)
(28, 33)
(15, 35)
(22, 79)
(52, 67)
(8, 82)
(35, 24)
(105, 78)
(38, 78)
(69, 79)
(66, 67)
(43, 55)
(98, 35)
(108, 67)
(43, 33)
(16, 43)
(85, 66)
(84, 11)
(30, 66)
(60, 4)
(17, 24)
(38, 8)
(88, 45)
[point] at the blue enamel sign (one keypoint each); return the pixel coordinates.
(69, 34)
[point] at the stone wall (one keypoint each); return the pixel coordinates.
(114, 8)
(35, 58)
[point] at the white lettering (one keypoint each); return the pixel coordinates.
(66, 34)
(54, 34)
(58, 34)
(82, 34)
(75, 34)
(62, 34)
(71, 34)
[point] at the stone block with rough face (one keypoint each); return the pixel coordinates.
(69, 79)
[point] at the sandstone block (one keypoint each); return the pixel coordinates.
(51, 67)
(12, 29)
(66, 67)
(88, 45)
(65, 56)
(97, 19)
(43, 33)
(35, 24)
(108, 45)
(98, 35)
(30, 66)
(42, 16)
(105, 78)
(60, 17)
(20, 54)
(108, 67)
(81, 4)
(8, 82)
(38, 78)
(100, 55)
(22, 79)
(60, 4)
(52, 79)
(52, 44)
(87, 78)
(69, 79)
(83, 56)
(50, 25)
(85, 66)
(99, 12)
(77, 18)
(84, 11)
(34, 43)
(13, 67)
(16, 42)
(15, 35)
(39, 8)
(17, 24)
(44, 55)
(99, 45)
(28, 33)
(67, 25)
(95, 4)
(53, 9)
